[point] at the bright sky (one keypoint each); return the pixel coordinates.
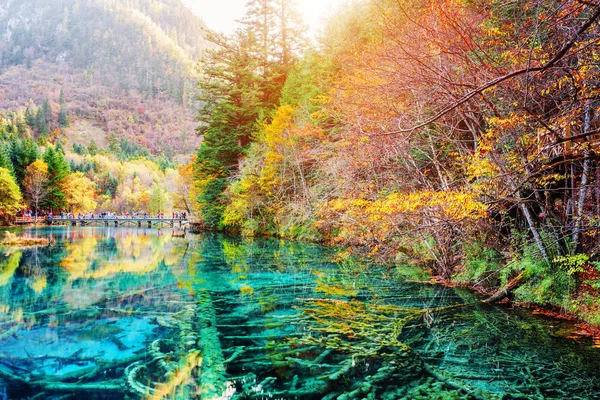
(221, 15)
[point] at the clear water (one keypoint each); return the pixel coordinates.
(116, 313)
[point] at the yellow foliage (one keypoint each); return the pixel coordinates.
(379, 218)
(450, 205)
(80, 193)
(274, 139)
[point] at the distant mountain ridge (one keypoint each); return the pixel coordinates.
(148, 45)
(127, 67)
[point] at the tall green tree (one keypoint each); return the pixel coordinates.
(29, 118)
(22, 153)
(5, 161)
(243, 77)
(47, 108)
(276, 32)
(58, 169)
(63, 118)
(231, 104)
(40, 122)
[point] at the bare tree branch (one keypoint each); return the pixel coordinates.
(557, 57)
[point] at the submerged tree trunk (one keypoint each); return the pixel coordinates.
(507, 290)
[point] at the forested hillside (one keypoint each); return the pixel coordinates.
(459, 136)
(126, 69)
(148, 45)
(96, 105)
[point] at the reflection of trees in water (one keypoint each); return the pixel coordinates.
(93, 280)
(73, 271)
(131, 253)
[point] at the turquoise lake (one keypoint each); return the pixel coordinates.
(134, 313)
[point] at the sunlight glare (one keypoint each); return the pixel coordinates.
(221, 16)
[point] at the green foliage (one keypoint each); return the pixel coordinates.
(63, 118)
(5, 159)
(79, 149)
(481, 265)
(47, 110)
(308, 81)
(572, 264)
(244, 75)
(41, 125)
(92, 148)
(212, 202)
(29, 118)
(554, 286)
(22, 153)
(58, 169)
(159, 198)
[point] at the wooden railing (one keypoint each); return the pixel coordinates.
(27, 220)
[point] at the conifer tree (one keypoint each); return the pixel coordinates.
(244, 75)
(277, 32)
(63, 119)
(58, 169)
(22, 153)
(5, 160)
(29, 118)
(47, 110)
(40, 122)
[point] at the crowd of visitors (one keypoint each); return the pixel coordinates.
(114, 215)
(102, 215)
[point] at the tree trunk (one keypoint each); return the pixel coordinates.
(577, 245)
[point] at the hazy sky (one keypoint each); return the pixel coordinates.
(220, 15)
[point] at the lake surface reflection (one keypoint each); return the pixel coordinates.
(115, 313)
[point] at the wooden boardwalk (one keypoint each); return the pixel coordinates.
(149, 222)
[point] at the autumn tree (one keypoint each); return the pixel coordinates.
(80, 193)
(36, 184)
(184, 196)
(159, 199)
(10, 195)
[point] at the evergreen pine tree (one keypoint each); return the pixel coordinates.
(40, 122)
(5, 161)
(22, 153)
(244, 77)
(47, 110)
(58, 169)
(277, 30)
(29, 118)
(63, 119)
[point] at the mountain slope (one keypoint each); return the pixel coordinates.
(126, 67)
(147, 45)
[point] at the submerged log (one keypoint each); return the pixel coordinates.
(507, 290)
(453, 383)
